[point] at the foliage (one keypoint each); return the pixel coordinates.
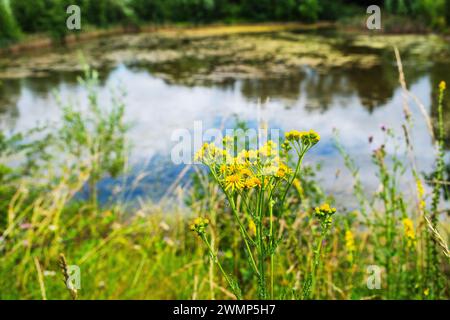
(9, 30)
(96, 134)
(50, 15)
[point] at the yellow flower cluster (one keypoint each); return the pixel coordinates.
(420, 194)
(350, 245)
(209, 153)
(442, 85)
(282, 171)
(233, 182)
(252, 182)
(325, 213)
(410, 235)
(306, 137)
(248, 170)
(267, 150)
(252, 227)
(238, 176)
(253, 168)
(199, 225)
(324, 210)
(350, 241)
(298, 186)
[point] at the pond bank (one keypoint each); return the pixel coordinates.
(40, 41)
(219, 54)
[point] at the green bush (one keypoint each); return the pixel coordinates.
(309, 10)
(31, 18)
(9, 30)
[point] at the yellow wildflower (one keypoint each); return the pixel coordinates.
(234, 167)
(310, 138)
(410, 235)
(307, 137)
(199, 225)
(293, 135)
(298, 186)
(226, 156)
(227, 140)
(265, 151)
(324, 213)
(282, 171)
(350, 241)
(252, 182)
(242, 156)
(350, 245)
(223, 168)
(246, 172)
(252, 155)
(420, 189)
(271, 144)
(252, 227)
(269, 170)
(233, 182)
(268, 149)
(442, 85)
(201, 153)
(207, 153)
(420, 194)
(325, 209)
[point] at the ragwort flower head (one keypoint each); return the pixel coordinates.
(350, 241)
(307, 138)
(293, 135)
(349, 245)
(234, 182)
(408, 228)
(324, 213)
(209, 153)
(311, 137)
(283, 171)
(252, 182)
(268, 150)
(199, 225)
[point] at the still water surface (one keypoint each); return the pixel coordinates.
(356, 101)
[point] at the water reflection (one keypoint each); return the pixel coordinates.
(355, 100)
(9, 112)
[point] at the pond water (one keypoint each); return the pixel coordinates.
(341, 82)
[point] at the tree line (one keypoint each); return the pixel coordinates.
(18, 17)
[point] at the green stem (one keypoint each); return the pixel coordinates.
(216, 260)
(244, 234)
(271, 249)
(311, 280)
(297, 169)
(262, 279)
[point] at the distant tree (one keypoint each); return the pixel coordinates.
(106, 12)
(447, 12)
(30, 17)
(309, 10)
(286, 10)
(151, 10)
(259, 10)
(9, 29)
